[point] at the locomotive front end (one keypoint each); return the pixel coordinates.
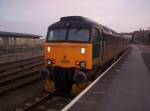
(68, 56)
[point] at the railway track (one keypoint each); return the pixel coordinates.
(4, 67)
(54, 101)
(19, 74)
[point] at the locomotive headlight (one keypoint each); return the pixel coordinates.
(82, 64)
(82, 50)
(49, 62)
(48, 49)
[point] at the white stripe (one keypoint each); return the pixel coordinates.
(67, 107)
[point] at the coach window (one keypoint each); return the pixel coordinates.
(149, 37)
(0, 41)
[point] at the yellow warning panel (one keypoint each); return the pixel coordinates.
(49, 86)
(78, 88)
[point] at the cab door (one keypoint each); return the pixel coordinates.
(97, 46)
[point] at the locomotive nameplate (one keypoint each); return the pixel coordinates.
(65, 61)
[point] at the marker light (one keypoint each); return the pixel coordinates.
(53, 61)
(49, 62)
(82, 50)
(48, 49)
(77, 62)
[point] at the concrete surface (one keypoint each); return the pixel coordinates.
(129, 90)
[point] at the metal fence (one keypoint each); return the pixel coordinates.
(19, 49)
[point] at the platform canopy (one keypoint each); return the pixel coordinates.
(18, 35)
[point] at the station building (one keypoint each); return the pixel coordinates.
(142, 36)
(17, 46)
(12, 38)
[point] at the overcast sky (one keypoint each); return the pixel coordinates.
(34, 16)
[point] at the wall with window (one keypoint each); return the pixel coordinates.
(25, 41)
(5, 41)
(11, 41)
(1, 43)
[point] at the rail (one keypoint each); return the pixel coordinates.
(20, 75)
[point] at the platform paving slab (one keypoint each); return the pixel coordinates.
(129, 90)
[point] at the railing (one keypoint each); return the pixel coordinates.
(19, 49)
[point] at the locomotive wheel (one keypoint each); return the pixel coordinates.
(49, 86)
(78, 88)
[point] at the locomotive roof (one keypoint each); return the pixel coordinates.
(79, 21)
(17, 35)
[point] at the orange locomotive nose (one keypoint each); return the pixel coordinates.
(68, 55)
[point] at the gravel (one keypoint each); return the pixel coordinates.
(9, 101)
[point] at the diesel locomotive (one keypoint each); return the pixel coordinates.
(75, 48)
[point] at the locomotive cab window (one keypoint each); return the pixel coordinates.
(79, 35)
(57, 35)
(72, 35)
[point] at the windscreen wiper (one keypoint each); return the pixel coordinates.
(77, 30)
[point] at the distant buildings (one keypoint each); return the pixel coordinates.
(141, 36)
(13, 39)
(19, 46)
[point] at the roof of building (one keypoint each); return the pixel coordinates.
(18, 35)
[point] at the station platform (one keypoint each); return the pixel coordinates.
(128, 91)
